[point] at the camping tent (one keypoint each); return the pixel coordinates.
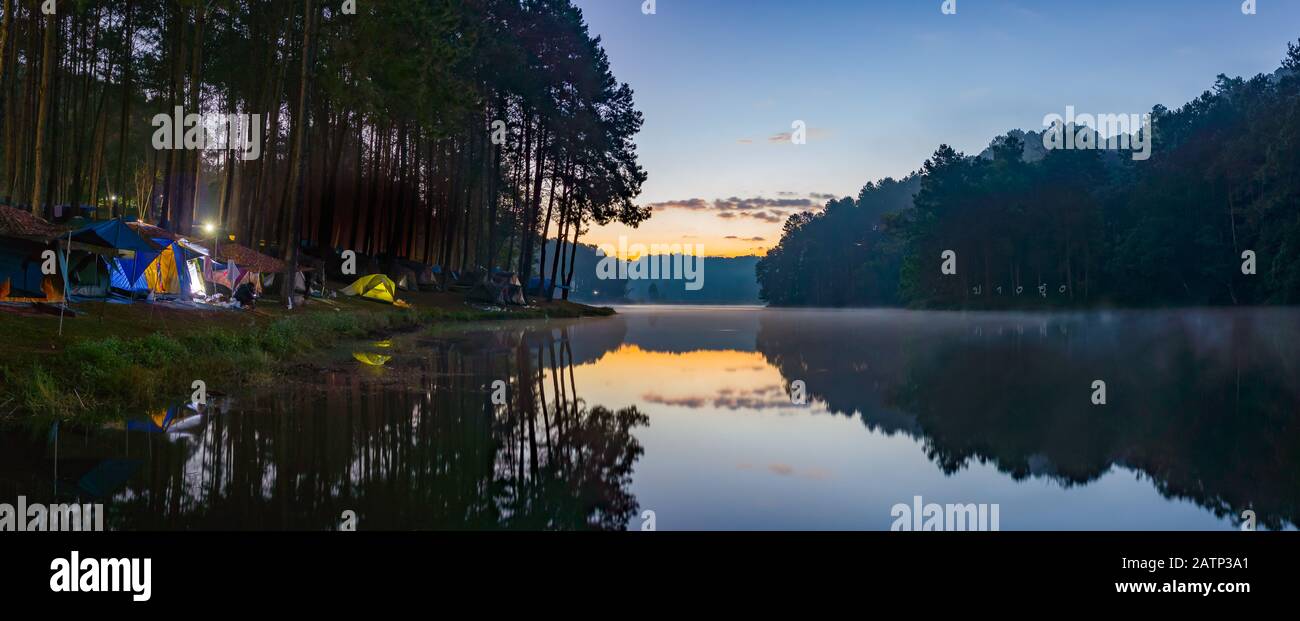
(405, 278)
(113, 234)
(22, 278)
(89, 275)
(272, 282)
(425, 279)
(373, 287)
(128, 254)
(501, 288)
(164, 273)
(24, 238)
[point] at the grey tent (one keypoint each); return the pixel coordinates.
(404, 277)
(424, 277)
(501, 288)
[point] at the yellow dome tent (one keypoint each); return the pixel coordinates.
(373, 287)
(374, 360)
(162, 275)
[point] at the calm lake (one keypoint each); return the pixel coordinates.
(692, 417)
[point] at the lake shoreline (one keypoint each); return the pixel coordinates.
(117, 360)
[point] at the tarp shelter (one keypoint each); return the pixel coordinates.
(373, 287)
(248, 259)
(24, 238)
(266, 269)
(501, 288)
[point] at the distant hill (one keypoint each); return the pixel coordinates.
(726, 281)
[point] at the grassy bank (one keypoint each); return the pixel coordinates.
(120, 360)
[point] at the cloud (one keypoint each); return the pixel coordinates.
(755, 204)
(692, 204)
(763, 209)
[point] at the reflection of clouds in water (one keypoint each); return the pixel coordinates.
(784, 470)
(762, 398)
(787, 470)
(687, 380)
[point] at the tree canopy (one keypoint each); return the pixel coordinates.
(1027, 227)
(452, 132)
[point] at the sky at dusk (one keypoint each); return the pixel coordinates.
(880, 84)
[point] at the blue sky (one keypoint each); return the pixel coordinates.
(881, 83)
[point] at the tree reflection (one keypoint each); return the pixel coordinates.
(1203, 403)
(430, 453)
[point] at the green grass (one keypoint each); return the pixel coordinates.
(102, 379)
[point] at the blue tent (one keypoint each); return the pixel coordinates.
(175, 418)
(24, 240)
(116, 235)
(113, 234)
(20, 264)
(141, 265)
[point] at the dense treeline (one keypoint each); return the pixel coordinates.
(1218, 198)
(451, 132)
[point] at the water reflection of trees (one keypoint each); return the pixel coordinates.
(435, 453)
(1205, 404)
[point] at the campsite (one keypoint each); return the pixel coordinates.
(76, 296)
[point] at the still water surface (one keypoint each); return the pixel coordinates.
(691, 413)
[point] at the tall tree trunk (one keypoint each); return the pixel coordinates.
(195, 107)
(297, 155)
(573, 254)
(5, 26)
(529, 234)
(43, 109)
(124, 127)
(357, 188)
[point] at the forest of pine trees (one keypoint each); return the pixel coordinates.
(1213, 218)
(451, 132)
